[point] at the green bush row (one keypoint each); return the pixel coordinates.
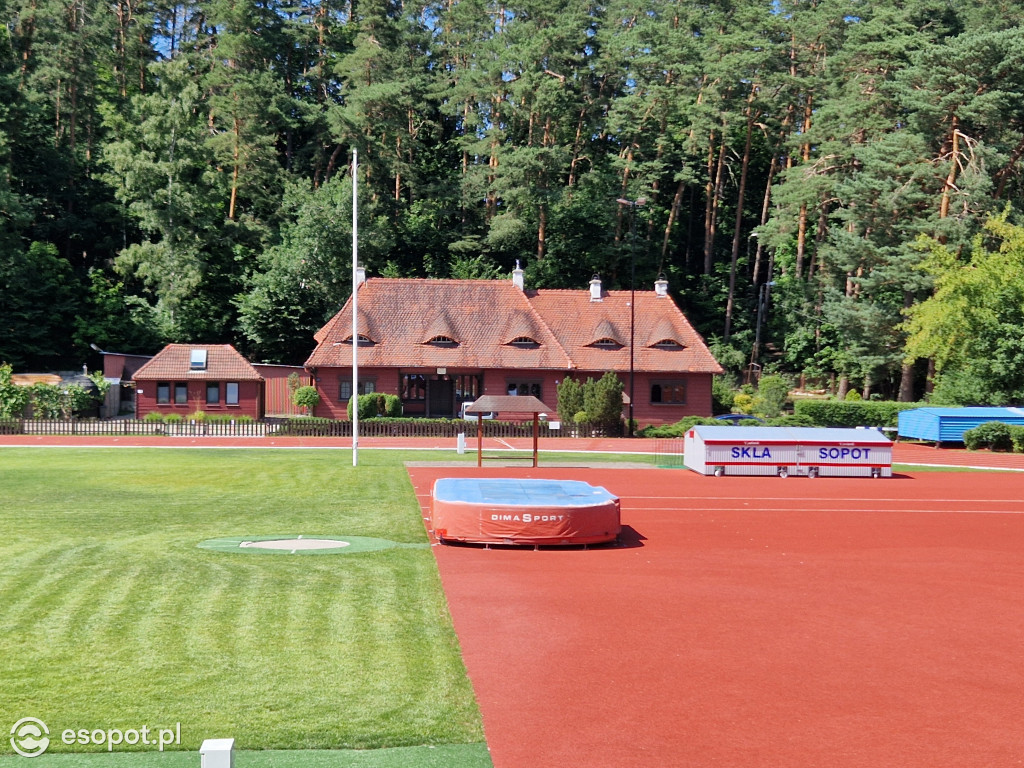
(680, 428)
(201, 416)
(377, 404)
(851, 413)
(996, 436)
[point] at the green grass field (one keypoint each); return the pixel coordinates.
(112, 617)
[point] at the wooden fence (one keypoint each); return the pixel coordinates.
(285, 428)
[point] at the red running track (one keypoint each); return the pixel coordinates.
(755, 622)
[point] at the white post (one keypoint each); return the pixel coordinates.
(355, 311)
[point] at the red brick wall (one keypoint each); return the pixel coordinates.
(250, 399)
(495, 382)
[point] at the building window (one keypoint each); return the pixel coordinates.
(443, 341)
(414, 387)
(180, 394)
(163, 393)
(668, 392)
(366, 386)
(523, 388)
(525, 342)
(213, 393)
(231, 393)
(667, 344)
(197, 360)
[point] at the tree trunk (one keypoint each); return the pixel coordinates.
(737, 228)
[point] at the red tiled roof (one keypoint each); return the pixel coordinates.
(173, 362)
(578, 322)
(483, 317)
(401, 316)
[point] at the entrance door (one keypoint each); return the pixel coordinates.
(440, 398)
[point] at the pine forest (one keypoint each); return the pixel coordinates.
(834, 189)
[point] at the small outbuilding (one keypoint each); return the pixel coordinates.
(947, 425)
(186, 378)
(785, 451)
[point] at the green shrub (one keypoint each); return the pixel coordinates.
(743, 403)
(172, 418)
(199, 416)
(722, 395)
(681, 427)
(991, 434)
(154, 416)
(788, 421)
(367, 406)
(13, 398)
(851, 413)
(392, 407)
(853, 396)
(1017, 437)
(570, 399)
(771, 397)
(306, 397)
(602, 400)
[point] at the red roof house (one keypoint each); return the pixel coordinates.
(440, 343)
(185, 378)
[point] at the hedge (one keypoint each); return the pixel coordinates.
(996, 436)
(852, 413)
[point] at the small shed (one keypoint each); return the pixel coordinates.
(783, 451)
(947, 425)
(525, 405)
(185, 378)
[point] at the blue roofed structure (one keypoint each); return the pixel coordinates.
(947, 425)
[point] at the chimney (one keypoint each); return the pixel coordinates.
(661, 286)
(595, 288)
(360, 275)
(517, 276)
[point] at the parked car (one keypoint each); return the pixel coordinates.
(472, 416)
(740, 418)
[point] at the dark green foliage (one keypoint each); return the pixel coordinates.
(570, 399)
(1017, 437)
(368, 406)
(994, 435)
(182, 173)
(13, 398)
(722, 396)
(602, 401)
(771, 397)
(851, 413)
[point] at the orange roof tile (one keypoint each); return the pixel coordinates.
(173, 362)
(483, 317)
(578, 322)
(407, 313)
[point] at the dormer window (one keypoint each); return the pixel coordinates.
(443, 341)
(607, 343)
(364, 341)
(525, 342)
(197, 360)
(667, 344)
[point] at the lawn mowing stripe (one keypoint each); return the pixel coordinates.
(145, 628)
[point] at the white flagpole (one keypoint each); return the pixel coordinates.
(355, 312)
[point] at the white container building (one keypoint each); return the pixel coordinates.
(785, 451)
